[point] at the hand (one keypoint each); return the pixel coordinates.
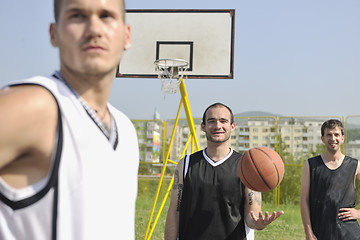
(346, 214)
(262, 221)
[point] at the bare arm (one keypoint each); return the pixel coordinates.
(304, 202)
(357, 174)
(173, 214)
(346, 214)
(253, 215)
(27, 129)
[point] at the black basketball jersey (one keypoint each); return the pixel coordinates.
(212, 205)
(331, 190)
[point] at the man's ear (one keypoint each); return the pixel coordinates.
(127, 44)
(233, 126)
(202, 127)
(343, 138)
(53, 38)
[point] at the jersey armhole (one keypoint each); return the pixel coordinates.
(53, 173)
(186, 165)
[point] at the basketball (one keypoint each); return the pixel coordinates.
(261, 169)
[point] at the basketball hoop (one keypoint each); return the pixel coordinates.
(170, 72)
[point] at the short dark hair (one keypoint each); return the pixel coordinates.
(218, 105)
(57, 6)
(331, 124)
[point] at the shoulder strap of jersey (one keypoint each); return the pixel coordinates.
(186, 164)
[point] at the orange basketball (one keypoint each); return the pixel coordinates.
(261, 169)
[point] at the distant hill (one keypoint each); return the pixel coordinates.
(268, 114)
(256, 114)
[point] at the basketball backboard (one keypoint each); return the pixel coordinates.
(204, 38)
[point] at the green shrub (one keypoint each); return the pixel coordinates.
(290, 187)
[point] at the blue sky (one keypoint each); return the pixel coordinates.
(292, 57)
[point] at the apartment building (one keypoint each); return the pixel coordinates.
(298, 136)
(149, 138)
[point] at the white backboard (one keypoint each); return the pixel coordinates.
(204, 38)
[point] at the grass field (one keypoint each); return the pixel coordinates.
(288, 226)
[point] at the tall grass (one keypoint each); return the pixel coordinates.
(144, 204)
(288, 226)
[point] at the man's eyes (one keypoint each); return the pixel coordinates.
(77, 16)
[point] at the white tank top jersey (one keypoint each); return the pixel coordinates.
(91, 190)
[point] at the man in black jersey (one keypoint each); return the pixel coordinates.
(328, 194)
(208, 200)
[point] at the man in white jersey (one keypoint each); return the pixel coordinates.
(68, 158)
(208, 200)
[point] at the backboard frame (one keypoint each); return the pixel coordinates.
(185, 44)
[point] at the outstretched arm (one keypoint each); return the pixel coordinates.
(173, 214)
(253, 215)
(304, 202)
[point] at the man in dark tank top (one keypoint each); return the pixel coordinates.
(208, 200)
(328, 194)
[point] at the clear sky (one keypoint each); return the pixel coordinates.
(292, 57)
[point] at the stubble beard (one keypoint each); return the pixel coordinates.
(89, 71)
(214, 140)
(333, 150)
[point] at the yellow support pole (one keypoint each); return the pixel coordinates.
(163, 141)
(278, 199)
(167, 194)
(192, 144)
(188, 113)
(277, 135)
(171, 161)
(185, 101)
(163, 172)
(161, 208)
(276, 191)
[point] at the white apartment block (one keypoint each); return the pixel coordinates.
(298, 135)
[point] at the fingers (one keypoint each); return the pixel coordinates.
(267, 217)
(262, 220)
(252, 214)
(345, 214)
(344, 209)
(278, 214)
(346, 218)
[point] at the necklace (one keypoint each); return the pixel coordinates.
(101, 118)
(105, 126)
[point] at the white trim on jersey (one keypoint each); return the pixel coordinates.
(97, 184)
(250, 233)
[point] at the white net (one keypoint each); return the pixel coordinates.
(170, 72)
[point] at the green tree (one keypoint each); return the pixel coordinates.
(290, 187)
(353, 134)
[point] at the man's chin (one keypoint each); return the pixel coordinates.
(333, 149)
(214, 140)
